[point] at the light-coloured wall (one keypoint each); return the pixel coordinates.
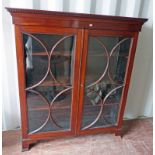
(139, 102)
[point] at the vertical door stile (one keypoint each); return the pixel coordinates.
(127, 78)
(82, 77)
(76, 86)
(21, 81)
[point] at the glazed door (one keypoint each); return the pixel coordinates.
(50, 69)
(103, 78)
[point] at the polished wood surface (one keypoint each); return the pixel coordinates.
(81, 26)
(76, 20)
(127, 78)
(21, 81)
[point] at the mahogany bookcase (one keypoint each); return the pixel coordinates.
(74, 72)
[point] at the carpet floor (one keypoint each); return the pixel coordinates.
(137, 140)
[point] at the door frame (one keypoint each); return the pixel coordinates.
(19, 30)
(129, 66)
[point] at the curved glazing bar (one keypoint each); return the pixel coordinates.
(45, 101)
(107, 64)
(49, 59)
(96, 112)
(44, 77)
(101, 109)
(51, 52)
(59, 95)
(51, 104)
(40, 51)
(111, 53)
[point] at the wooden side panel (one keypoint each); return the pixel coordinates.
(21, 80)
(127, 78)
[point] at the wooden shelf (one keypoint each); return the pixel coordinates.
(58, 105)
(54, 54)
(104, 55)
(53, 83)
(61, 53)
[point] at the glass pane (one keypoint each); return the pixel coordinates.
(49, 61)
(105, 72)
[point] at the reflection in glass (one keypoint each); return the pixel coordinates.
(49, 61)
(105, 73)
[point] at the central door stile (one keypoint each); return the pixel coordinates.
(76, 86)
(82, 78)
